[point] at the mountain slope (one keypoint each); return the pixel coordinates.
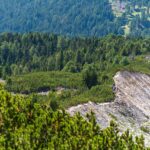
(82, 17)
(131, 108)
(79, 17)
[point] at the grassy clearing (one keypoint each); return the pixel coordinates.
(43, 81)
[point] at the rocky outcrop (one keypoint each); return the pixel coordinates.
(131, 108)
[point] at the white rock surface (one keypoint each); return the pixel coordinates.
(2, 81)
(131, 108)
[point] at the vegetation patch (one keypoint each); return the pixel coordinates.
(44, 81)
(73, 70)
(35, 126)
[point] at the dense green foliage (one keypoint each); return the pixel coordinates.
(79, 69)
(69, 70)
(67, 89)
(23, 53)
(26, 124)
(90, 77)
(44, 81)
(79, 17)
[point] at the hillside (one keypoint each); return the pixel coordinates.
(81, 68)
(76, 18)
(131, 108)
(75, 74)
(26, 124)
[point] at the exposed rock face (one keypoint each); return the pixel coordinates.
(131, 108)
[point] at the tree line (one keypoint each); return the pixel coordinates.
(24, 53)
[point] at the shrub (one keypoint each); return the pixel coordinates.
(90, 76)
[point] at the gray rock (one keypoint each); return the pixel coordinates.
(131, 107)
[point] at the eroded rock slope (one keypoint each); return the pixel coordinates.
(131, 108)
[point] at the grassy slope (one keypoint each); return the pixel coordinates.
(76, 92)
(44, 81)
(103, 92)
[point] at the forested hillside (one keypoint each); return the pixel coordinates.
(79, 67)
(80, 17)
(23, 53)
(83, 68)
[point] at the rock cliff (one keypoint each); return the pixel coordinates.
(131, 107)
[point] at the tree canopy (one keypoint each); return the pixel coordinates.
(75, 18)
(25, 124)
